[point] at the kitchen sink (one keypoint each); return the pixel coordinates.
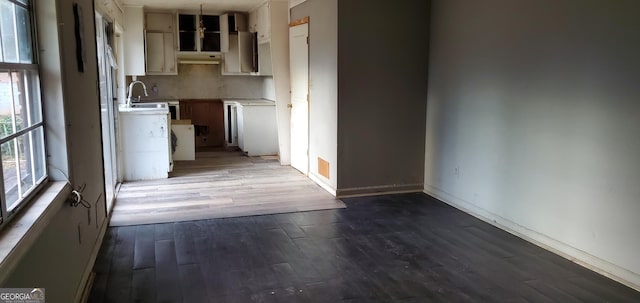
(149, 105)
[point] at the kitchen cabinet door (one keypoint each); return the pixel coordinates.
(245, 51)
(232, 57)
(264, 23)
(160, 22)
(185, 110)
(253, 21)
(160, 53)
(155, 53)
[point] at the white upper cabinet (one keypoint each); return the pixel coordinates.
(260, 22)
(190, 39)
(231, 23)
(239, 59)
(237, 44)
(160, 44)
(161, 54)
(134, 41)
(160, 22)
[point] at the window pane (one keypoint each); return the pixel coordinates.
(10, 172)
(38, 158)
(6, 101)
(8, 30)
(20, 96)
(31, 152)
(23, 23)
(33, 104)
(23, 159)
(18, 86)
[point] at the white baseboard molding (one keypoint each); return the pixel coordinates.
(562, 249)
(379, 190)
(82, 294)
(319, 181)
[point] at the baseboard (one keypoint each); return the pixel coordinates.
(82, 294)
(319, 181)
(379, 190)
(562, 249)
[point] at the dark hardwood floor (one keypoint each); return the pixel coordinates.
(396, 248)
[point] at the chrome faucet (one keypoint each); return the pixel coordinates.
(131, 91)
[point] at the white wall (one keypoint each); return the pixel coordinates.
(535, 103)
(279, 14)
(323, 83)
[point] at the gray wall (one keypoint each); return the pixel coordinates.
(536, 105)
(202, 82)
(382, 91)
(62, 253)
(323, 84)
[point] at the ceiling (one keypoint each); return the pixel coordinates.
(207, 5)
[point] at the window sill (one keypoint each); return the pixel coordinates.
(22, 232)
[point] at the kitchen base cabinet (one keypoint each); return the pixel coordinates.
(251, 125)
(207, 118)
(146, 145)
(185, 145)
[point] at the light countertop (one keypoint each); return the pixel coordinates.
(123, 109)
(250, 102)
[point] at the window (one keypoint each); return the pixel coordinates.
(23, 165)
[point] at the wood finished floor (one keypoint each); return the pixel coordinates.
(219, 184)
(396, 248)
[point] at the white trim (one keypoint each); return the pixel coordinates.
(322, 184)
(564, 250)
(379, 190)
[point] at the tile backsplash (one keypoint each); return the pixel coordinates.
(201, 82)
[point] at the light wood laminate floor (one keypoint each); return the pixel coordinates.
(219, 184)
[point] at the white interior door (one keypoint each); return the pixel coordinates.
(299, 62)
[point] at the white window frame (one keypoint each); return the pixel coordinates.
(6, 214)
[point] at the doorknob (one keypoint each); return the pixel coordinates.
(289, 105)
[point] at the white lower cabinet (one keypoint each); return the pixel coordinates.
(185, 145)
(251, 125)
(146, 145)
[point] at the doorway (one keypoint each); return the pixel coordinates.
(106, 67)
(299, 60)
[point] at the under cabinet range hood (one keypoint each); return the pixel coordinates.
(198, 58)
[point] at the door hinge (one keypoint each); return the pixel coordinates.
(289, 105)
(308, 99)
(307, 39)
